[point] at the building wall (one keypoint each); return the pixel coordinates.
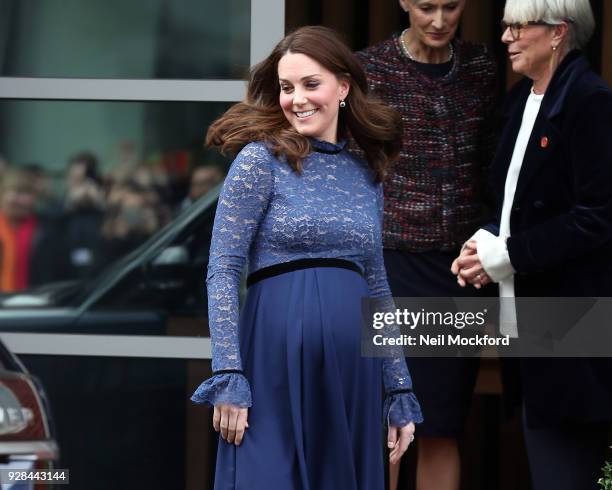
(375, 20)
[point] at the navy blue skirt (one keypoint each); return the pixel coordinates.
(316, 419)
(444, 385)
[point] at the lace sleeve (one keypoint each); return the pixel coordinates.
(241, 208)
(401, 405)
(375, 273)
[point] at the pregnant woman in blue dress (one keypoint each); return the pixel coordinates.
(297, 405)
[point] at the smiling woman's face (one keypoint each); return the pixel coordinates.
(310, 96)
(434, 22)
(531, 54)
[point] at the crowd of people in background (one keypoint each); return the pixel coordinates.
(48, 235)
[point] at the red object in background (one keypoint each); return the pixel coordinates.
(24, 238)
(25, 421)
(16, 247)
(182, 162)
(176, 163)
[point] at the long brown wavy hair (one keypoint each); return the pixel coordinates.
(374, 126)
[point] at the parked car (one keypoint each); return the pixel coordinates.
(124, 419)
(26, 428)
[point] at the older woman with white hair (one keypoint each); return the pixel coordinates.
(552, 175)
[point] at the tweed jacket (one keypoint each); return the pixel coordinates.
(433, 193)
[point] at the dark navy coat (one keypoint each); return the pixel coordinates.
(561, 228)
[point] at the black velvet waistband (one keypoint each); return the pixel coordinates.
(296, 265)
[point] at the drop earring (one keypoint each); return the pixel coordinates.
(342, 104)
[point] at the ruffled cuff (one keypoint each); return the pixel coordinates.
(402, 408)
(224, 388)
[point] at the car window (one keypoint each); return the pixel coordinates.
(172, 276)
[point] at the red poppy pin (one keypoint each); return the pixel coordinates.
(544, 142)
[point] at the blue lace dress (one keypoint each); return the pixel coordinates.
(294, 353)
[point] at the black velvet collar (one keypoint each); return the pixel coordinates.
(321, 146)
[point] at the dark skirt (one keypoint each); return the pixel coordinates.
(443, 385)
(316, 419)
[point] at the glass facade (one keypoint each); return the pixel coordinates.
(145, 163)
(107, 199)
(139, 39)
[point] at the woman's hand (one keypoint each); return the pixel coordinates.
(398, 440)
(468, 268)
(231, 421)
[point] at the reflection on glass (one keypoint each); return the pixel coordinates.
(90, 182)
(160, 39)
(142, 431)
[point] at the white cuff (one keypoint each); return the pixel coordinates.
(493, 254)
